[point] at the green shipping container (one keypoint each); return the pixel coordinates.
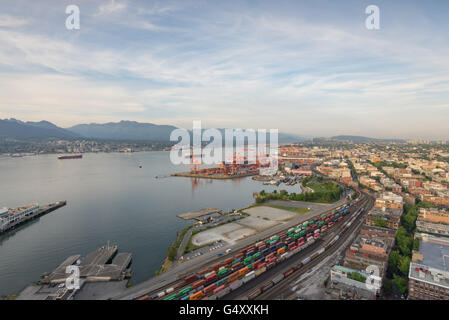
(223, 271)
(185, 290)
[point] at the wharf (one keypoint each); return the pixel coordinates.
(103, 264)
(213, 176)
(42, 210)
(199, 214)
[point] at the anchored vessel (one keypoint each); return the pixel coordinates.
(75, 156)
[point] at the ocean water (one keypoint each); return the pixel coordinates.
(109, 198)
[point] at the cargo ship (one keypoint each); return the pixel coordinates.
(75, 156)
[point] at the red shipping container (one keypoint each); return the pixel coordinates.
(260, 266)
(219, 289)
(212, 277)
(198, 284)
(210, 288)
(203, 271)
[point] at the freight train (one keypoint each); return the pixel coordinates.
(223, 277)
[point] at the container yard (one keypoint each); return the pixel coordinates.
(218, 280)
(237, 167)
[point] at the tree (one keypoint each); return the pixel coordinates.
(394, 260)
(404, 264)
(400, 283)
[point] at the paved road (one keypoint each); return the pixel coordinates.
(180, 270)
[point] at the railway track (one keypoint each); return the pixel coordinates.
(179, 277)
(283, 285)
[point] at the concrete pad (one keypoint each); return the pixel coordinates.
(270, 213)
(218, 233)
(258, 223)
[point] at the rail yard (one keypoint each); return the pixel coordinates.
(258, 269)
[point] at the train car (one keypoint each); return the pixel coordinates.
(233, 276)
(144, 298)
(267, 286)
(209, 288)
(289, 272)
(198, 284)
(216, 266)
(218, 289)
(204, 271)
(258, 272)
(222, 293)
(306, 260)
(249, 276)
(171, 297)
(243, 271)
(211, 279)
(190, 279)
(235, 285)
(254, 294)
(278, 278)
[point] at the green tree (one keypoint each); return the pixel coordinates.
(400, 283)
(404, 265)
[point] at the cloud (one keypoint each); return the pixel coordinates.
(228, 68)
(111, 7)
(9, 21)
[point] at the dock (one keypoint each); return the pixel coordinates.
(101, 272)
(42, 210)
(103, 264)
(199, 214)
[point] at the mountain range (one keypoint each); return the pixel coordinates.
(14, 129)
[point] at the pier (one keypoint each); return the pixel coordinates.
(40, 212)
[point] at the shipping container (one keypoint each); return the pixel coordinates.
(249, 276)
(216, 290)
(233, 276)
(243, 271)
(196, 296)
(190, 279)
(260, 271)
(281, 251)
(203, 271)
(216, 266)
(198, 284)
(209, 288)
(211, 279)
(236, 284)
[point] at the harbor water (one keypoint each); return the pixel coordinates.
(112, 197)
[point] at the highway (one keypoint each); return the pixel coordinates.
(283, 286)
(170, 277)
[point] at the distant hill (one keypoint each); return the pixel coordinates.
(360, 139)
(43, 130)
(124, 130)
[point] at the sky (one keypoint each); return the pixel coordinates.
(305, 67)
